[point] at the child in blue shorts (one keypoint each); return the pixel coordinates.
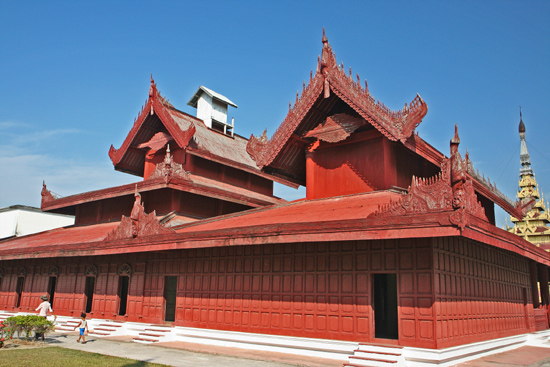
(83, 326)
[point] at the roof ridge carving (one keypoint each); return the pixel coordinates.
(138, 224)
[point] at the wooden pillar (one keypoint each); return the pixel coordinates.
(311, 170)
(534, 283)
(543, 280)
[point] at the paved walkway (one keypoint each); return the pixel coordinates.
(199, 355)
(519, 357)
(184, 354)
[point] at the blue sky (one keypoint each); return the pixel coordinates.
(74, 75)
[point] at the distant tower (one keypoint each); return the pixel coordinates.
(534, 225)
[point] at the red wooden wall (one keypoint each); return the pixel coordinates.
(481, 292)
(451, 291)
(207, 168)
(365, 162)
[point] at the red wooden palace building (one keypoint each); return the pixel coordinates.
(395, 242)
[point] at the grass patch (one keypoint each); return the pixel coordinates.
(61, 357)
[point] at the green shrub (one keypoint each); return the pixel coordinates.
(27, 325)
(3, 332)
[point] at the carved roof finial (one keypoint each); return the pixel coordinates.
(521, 124)
(325, 39)
(46, 194)
(153, 87)
(525, 159)
(455, 139)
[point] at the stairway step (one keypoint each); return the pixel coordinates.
(159, 330)
(377, 352)
(99, 333)
(104, 329)
(64, 328)
(110, 325)
(356, 358)
(145, 340)
(152, 335)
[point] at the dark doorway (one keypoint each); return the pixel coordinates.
(170, 288)
(51, 289)
(385, 306)
(123, 294)
(19, 291)
(89, 293)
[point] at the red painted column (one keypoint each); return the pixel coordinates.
(534, 286)
(543, 279)
(544, 290)
(310, 173)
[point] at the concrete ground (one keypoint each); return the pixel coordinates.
(199, 355)
(520, 357)
(184, 354)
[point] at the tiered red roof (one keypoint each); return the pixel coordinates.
(284, 154)
(186, 131)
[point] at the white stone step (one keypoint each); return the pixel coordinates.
(145, 340)
(378, 355)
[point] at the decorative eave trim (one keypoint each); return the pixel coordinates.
(155, 104)
(423, 225)
(451, 190)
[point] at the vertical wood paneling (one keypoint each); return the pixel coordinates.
(480, 291)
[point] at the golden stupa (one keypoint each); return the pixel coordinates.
(534, 225)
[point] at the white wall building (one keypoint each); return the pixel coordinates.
(21, 220)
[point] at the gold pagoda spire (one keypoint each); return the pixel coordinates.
(533, 227)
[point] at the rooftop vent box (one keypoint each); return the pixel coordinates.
(212, 109)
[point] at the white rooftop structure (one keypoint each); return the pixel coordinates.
(212, 109)
(21, 220)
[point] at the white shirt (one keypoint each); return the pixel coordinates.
(44, 308)
(82, 324)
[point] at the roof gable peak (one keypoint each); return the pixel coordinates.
(331, 78)
(159, 106)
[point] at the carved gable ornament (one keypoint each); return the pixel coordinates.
(157, 142)
(169, 168)
(138, 224)
(336, 128)
(451, 190)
